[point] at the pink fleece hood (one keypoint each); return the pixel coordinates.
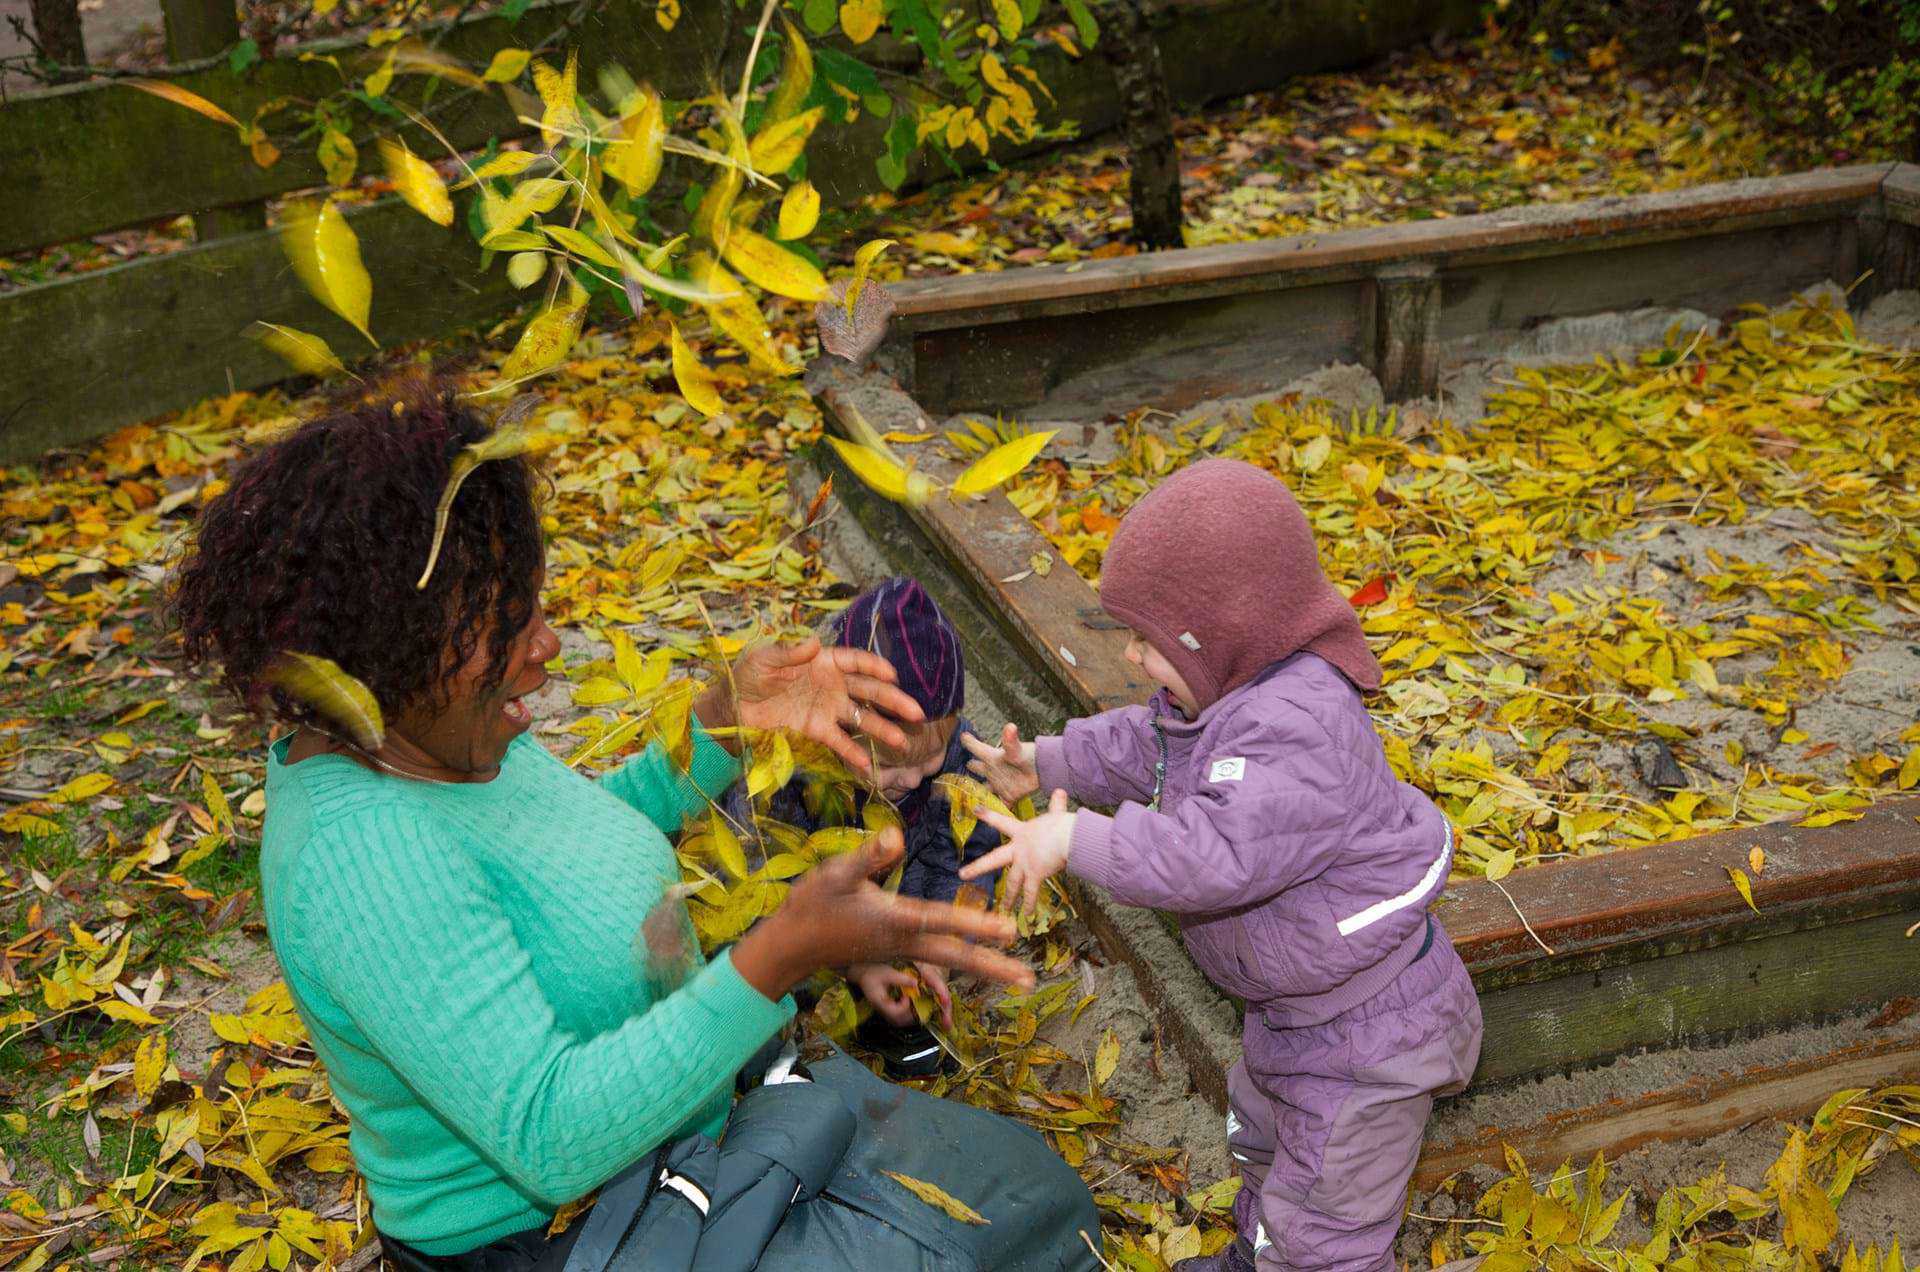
(1216, 567)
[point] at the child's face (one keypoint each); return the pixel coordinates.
(1148, 659)
(899, 771)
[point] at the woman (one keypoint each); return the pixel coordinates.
(509, 1003)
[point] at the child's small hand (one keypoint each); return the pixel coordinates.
(1034, 852)
(1007, 769)
(885, 986)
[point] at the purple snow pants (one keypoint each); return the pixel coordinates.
(1326, 1120)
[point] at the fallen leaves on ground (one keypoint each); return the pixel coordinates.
(1536, 612)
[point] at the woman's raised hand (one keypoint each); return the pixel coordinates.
(1007, 769)
(836, 914)
(823, 694)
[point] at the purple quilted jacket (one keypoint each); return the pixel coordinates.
(1299, 867)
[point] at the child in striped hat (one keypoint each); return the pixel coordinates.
(899, 621)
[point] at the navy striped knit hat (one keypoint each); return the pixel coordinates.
(901, 623)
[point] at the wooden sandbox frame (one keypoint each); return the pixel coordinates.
(1651, 948)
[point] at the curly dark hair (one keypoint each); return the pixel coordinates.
(317, 545)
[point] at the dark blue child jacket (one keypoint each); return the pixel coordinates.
(932, 870)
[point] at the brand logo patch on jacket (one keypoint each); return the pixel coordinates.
(1231, 769)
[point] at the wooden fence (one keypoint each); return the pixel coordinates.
(89, 353)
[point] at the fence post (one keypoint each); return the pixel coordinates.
(197, 29)
(56, 24)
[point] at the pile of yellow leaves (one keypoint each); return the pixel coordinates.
(1502, 679)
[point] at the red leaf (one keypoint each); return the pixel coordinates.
(1699, 373)
(1372, 594)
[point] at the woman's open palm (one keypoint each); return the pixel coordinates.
(824, 694)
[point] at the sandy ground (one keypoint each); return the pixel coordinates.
(1877, 697)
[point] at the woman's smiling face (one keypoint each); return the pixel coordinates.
(472, 727)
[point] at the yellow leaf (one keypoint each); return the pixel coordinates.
(634, 158)
(773, 267)
(1909, 771)
(1832, 817)
(1000, 463)
(785, 865)
(738, 316)
(726, 848)
(511, 436)
(508, 163)
(524, 269)
(216, 801)
(180, 97)
(772, 769)
(326, 258)
(319, 683)
(149, 1064)
(84, 787)
(1743, 887)
(1106, 1059)
(308, 354)
(506, 66)
(886, 477)
(860, 19)
(377, 83)
(580, 244)
(559, 91)
(862, 266)
(776, 146)
(545, 341)
(938, 1198)
(1756, 859)
(120, 1010)
(799, 211)
(338, 156)
(695, 381)
(417, 182)
(1500, 865)
(796, 76)
(1007, 14)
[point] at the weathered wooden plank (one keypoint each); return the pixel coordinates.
(122, 344)
(1401, 330)
(1901, 190)
(1596, 910)
(86, 158)
(92, 157)
(1704, 1105)
(1271, 264)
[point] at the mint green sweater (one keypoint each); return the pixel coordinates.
(465, 959)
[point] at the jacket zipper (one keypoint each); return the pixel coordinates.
(1159, 766)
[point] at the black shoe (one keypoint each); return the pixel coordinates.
(906, 1051)
(1237, 1257)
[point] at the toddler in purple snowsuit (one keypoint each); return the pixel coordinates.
(1254, 801)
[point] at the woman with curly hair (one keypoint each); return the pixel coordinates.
(484, 944)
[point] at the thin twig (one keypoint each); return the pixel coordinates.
(1523, 918)
(1095, 1251)
(753, 55)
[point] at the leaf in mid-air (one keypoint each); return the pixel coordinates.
(695, 381)
(773, 267)
(558, 93)
(737, 315)
(799, 210)
(322, 685)
(417, 182)
(545, 341)
(306, 353)
(634, 157)
(1000, 463)
(796, 76)
(326, 258)
(776, 146)
(506, 66)
(180, 97)
(862, 266)
(512, 435)
(524, 269)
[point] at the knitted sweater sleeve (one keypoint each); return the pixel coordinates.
(667, 797)
(413, 945)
